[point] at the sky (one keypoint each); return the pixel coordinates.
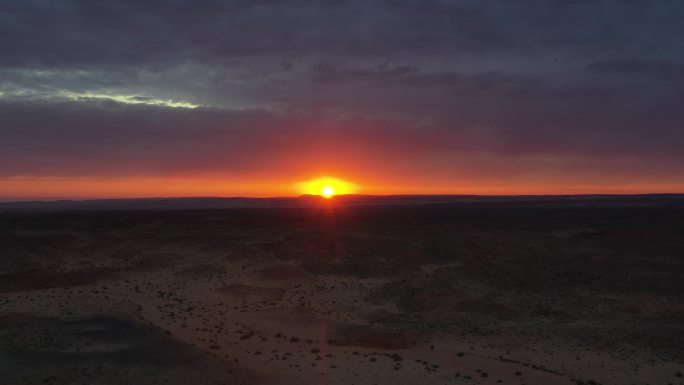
(152, 98)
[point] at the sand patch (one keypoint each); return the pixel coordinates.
(283, 273)
(246, 291)
(369, 337)
(198, 271)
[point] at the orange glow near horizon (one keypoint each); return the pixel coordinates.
(103, 188)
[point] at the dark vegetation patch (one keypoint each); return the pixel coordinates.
(104, 348)
(46, 279)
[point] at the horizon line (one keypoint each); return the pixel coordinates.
(87, 199)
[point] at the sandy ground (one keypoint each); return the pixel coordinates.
(255, 315)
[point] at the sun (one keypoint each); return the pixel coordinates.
(328, 191)
(326, 187)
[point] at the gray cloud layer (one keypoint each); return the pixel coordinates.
(158, 87)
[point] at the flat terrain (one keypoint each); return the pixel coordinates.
(534, 291)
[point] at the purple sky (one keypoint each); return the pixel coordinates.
(441, 95)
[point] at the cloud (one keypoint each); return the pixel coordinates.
(450, 88)
(409, 76)
(657, 68)
(71, 33)
(106, 138)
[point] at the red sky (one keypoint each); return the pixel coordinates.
(122, 99)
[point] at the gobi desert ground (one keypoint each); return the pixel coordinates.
(489, 291)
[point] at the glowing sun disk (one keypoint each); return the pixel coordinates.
(328, 191)
(326, 187)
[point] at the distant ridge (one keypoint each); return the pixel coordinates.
(218, 203)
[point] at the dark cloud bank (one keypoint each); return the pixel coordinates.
(121, 88)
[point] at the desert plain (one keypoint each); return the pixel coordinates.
(534, 291)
